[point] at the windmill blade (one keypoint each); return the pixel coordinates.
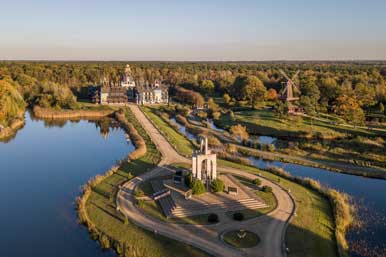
(296, 87)
(284, 74)
(295, 75)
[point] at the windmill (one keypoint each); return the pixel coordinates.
(287, 93)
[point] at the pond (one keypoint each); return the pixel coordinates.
(182, 129)
(42, 171)
(368, 194)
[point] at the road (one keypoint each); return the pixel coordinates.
(270, 228)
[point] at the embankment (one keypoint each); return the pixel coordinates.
(11, 130)
(45, 113)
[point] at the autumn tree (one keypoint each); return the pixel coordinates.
(271, 95)
(365, 95)
(240, 132)
(329, 91)
(227, 99)
(207, 87)
(349, 109)
(12, 104)
(248, 88)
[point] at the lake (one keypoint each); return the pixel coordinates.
(42, 170)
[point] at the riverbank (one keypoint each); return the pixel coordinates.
(98, 210)
(45, 113)
(325, 213)
(12, 129)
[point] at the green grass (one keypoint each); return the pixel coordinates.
(266, 122)
(250, 240)
(182, 145)
(313, 225)
(101, 209)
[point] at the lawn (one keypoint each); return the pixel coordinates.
(311, 231)
(178, 141)
(249, 240)
(313, 225)
(266, 122)
(101, 209)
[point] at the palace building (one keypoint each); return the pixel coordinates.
(128, 90)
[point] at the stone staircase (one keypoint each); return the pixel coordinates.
(170, 209)
(166, 202)
(194, 209)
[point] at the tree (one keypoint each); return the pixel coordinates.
(310, 93)
(12, 104)
(271, 94)
(240, 132)
(217, 185)
(281, 108)
(349, 109)
(329, 91)
(365, 95)
(257, 181)
(227, 99)
(248, 88)
(198, 187)
(381, 108)
(207, 86)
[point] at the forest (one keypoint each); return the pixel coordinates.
(353, 91)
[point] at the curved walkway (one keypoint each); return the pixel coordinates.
(270, 228)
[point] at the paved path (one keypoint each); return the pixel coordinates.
(270, 228)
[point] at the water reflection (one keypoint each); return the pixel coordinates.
(182, 129)
(42, 171)
(368, 194)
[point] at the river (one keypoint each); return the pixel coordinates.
(369, 195)
(42, 170)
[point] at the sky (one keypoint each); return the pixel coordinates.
(195, 30)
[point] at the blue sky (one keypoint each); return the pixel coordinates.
(193, 30)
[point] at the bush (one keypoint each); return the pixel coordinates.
(139, 193)
(238, 216)
(257, 182)
(217, 185)
(189, 180)
(104, 241)
(198, 187)
(213, 218)
(267, 189)
(271, 147)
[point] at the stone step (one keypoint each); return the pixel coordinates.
(203, 205)
(180, 212)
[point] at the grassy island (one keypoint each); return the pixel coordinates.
(322, 215)
(97, 209)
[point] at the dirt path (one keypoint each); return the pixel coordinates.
(271, 227)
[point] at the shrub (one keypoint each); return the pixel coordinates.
(213, 218)
(125, 220)
(139, 193)
(198, 187)
(267, 189)
(257, 182)
(238, 216)
(104, 241)
(202, 115)
(189, 180)
(217, 185)
(140, 203)
(271, 147)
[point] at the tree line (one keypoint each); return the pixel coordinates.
(348, 89)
